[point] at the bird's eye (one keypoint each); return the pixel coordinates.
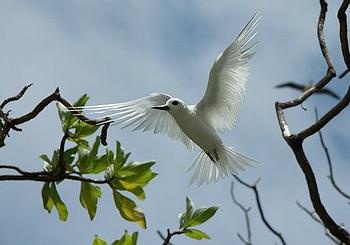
(175, 102)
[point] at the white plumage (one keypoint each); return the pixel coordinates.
(200, 123)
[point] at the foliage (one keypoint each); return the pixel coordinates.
(193, 217)
(126, 239)
(84, 159)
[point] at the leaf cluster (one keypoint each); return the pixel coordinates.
(193, 217)
(126, 239)
(83, 159)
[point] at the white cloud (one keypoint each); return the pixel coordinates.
(106, 49)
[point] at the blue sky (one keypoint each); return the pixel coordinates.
(117, 51)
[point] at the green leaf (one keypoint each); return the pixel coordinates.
(89, 195)
(136, 167)
(128, 209)
(68, 155)
(119, 158)
(55, 159)
(196, 234)
(47, 166)
(134, 188)
(45, 194)
(141, 179)
(83, 129)
(89, 162)
(201, 215)
(98, 241)
(127, 239)
(68, 120)
(59, 204)
(185, 217)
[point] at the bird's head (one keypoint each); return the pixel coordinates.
(174, 106)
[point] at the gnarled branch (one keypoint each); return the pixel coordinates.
(12, 123)
(329, 161)
(295, 141)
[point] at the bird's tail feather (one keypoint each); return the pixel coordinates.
(228, 161)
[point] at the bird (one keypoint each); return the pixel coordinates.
(304, 87)
(201, 123)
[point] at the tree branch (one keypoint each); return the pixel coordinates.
(167, 238)
(261, 212)
(332, 113)
(343, 32)
(245, 210)
(12, 123)
(14, 98)
(45, 176)
(329, 161)
(313, 216)
(295, 140)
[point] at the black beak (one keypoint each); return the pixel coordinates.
(163, 108)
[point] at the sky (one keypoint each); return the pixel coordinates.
(117, 51)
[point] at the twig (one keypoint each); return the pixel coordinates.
(343, 74)
(245, 210)
(329, 160)
(160, 234)
(295, 141)
(12, 123)
(316, 219)
(14, 98)
(169, 236)
(261, 212)
(320, 34)
(45, 176)
(61, 163)
(22, 172)
(332, 113)
(343, 32)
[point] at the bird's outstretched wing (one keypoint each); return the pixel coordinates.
(139, 115)
(227, 78)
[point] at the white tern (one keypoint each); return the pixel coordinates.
(199, 123)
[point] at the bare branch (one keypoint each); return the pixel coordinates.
(343, 32)
(43, 176)
(245, 210)
(329, 161)
(332, 113)
(295, 141)
(160, 234)
(14, 98)
(320, 35)
(261, 212)
(316, 219)
(12, 123)
(343, 74)
(169, 236)
(22, 172)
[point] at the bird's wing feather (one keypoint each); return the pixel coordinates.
(228, 75)
(139, 115)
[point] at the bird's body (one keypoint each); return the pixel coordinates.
(197, 129)
(197, 124)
